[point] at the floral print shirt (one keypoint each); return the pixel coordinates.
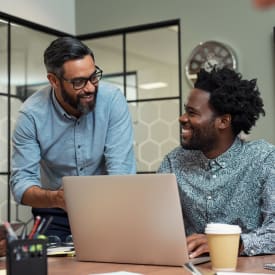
(238, 187)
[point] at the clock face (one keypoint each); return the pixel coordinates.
(207, 55)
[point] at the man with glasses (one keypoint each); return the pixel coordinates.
(76, 126)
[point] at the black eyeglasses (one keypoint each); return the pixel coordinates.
(81, 82)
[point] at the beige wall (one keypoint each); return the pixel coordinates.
(235, 22)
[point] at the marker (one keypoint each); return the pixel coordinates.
(39, 227)
(35, 226)
(189, 266)
(43, 230)
(11, 234)
(24, 232)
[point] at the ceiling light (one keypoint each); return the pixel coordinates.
(153, 85)
(174, 28)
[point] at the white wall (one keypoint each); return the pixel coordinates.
(235, 22)
(56, 14)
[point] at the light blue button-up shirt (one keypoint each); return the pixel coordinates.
(48, 143)
(238, 187)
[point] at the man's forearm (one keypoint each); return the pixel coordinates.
(38, 197)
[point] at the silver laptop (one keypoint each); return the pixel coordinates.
(126, 219)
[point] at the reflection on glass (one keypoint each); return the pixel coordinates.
(27, 68)
(153, 54)
(118, 80)
(108, 55)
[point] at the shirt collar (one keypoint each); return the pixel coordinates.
(222, 160)
(230, 154)
(59, 108)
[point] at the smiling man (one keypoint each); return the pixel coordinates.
(77, 125)
(221, 177)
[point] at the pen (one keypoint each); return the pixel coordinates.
(11, 234)
(24, 232)
(192, 269)
(270, 266)
(35, 226)
(43, 230)
(39, 228)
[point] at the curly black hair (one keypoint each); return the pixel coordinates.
(230, 94)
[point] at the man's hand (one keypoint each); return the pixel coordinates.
(60, 201)
(197, 245)
(36, 196)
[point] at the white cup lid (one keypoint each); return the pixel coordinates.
(221, 228)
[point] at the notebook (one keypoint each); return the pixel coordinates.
(126, 219)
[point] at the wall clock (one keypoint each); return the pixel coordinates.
(207, 55)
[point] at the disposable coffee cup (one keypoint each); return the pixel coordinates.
(223, 242)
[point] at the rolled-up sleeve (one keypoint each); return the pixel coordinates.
(25, 157)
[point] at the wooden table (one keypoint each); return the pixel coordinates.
(70, 266)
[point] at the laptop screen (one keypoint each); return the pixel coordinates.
(126, 218)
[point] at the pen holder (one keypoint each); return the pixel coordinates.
(27, 257)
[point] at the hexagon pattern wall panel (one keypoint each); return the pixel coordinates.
(20, 212)
(156, 131)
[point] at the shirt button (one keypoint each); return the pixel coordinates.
(209, 197)
(78, 146)
(214, 176)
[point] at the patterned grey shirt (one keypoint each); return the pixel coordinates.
(238, 187)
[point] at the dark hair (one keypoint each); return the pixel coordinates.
(230, 94)
(61, 50)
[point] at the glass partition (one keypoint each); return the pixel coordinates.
(145, 63)
(108, 53)
(135, 59)
(155, 120)
(4, 96)
(4, 120)
(156, 62)
(27, 75)
(22, 72)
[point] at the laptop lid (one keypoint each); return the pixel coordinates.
(126, 218)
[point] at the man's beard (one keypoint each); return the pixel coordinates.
(76, 104)
(203, 139)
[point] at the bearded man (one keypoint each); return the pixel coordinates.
(223, 178)
(75, 126)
